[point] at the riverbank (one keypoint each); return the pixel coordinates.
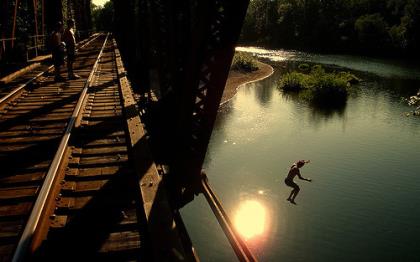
(238, 78)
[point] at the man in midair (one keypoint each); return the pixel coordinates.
(293, 172)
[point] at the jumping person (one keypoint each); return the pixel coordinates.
(294, 171)
(70, 40)
(57, 50)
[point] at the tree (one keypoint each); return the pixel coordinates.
(372, 31)
(103, 17)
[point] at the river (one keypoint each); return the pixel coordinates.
(364, 201)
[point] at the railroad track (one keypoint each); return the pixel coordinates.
(32, 125)
(97, 209)
(80, 183)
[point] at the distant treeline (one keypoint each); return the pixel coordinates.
(103, 17)
(380, 27)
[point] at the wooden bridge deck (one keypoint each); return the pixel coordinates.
(102, 202)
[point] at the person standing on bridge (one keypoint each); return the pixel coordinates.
(57, 50)
(70, 40)
(294, 171)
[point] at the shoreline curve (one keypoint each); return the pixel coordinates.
(237, 79)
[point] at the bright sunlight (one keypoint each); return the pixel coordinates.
(250, 219)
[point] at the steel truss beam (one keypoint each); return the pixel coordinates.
(186, 48)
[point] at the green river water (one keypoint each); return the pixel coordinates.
(364, 201)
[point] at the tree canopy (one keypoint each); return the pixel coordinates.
(378, 26)
(103, 17)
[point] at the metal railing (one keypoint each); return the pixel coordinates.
(40, 203)
(32, 44)
(35, 43)
(238, 244)
(10, 95)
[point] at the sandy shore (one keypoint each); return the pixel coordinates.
(237, 78)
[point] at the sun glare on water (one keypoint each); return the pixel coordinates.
(250, 219)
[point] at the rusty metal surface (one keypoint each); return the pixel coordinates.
(181, 52)
(183, 55)
(30, 129)
(167, 238)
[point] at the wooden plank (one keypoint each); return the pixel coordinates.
(103, 171)
(15, 210)
(20, 192)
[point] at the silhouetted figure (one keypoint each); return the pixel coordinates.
(70, 40)
(57, 50)
(294, 171)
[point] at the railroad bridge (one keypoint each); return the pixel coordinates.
(97, 168)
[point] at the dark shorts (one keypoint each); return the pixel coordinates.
(57, 57)
(71, 53)
(290, 183)
(71, 56)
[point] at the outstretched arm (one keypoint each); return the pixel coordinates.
(302, 178)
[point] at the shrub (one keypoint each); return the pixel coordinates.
(293, 81)
(244, 62)
(304, 67)
(329, 87)
(414, 101)
(318, 85)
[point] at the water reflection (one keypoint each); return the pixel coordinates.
(263, 90)
(251, 219)
(361, 153)
(319, 111)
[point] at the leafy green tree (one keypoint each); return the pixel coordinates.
(372, 30)
(103, 17)
(389, 27)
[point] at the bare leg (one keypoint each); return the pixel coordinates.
(296, 192)
(291, 194)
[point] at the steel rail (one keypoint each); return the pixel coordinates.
(239, 246)
(34, 218)
(22, 86)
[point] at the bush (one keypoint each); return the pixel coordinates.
(293, 81)
(329, 87)
(304, 67)
(318, 85)
(244, 62)
(414, 101)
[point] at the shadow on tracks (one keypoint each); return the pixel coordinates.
(41, 151)
(89, 228)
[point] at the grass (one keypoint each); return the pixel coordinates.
(244, 62)
(317, 85)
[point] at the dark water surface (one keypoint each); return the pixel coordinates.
(364, 202)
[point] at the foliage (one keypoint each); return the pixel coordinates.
(370, 26)
(103, 17)
(414, 101)
(304, 67)
(319, 85)
(293, 81)
(370, 29)
(244, 62)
